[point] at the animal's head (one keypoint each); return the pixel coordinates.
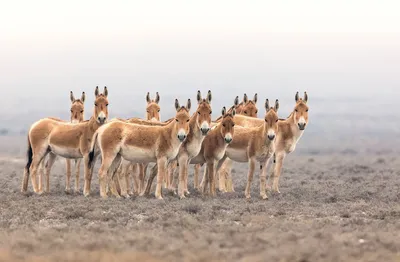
(182, 118)
(101, 105)
(227, 125)
(77, 108)
(247, 107)
(152, 108)
(271, 119)
(301, 111)
(204, 113)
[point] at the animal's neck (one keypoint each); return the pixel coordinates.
(93, 124)
(296, 132)
(194, 127)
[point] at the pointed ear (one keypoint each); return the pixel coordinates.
(236, 102)
(223, 112)
(96, 91)
(71, 96)
(83, 97)
(105, 91)
(305, 97)
(157, 98)
(188, 105)
(148, 98)
(177, 106)
(233, 112)
(297, 97)
(245, 99)
(198, 96)
(255, 98)
(276, 105)
(209, 96)
(266, 105)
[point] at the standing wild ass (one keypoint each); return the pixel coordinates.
(213, 149)
(255, 144)
(54, 137)
(140, 144)
(199, 125)
(246, 108)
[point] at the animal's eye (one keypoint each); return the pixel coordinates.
(147, 111)
(256, 111)
(210, 112)
(245, 112)
(95, 104)
(296, 110)
(158, 110)
(176, 119)
(307, 110)
(277, 120)
(187, 120)
(233, 125)
(106, 104)
(266, 121)
(198, 112)
(71, 110)
(223, 125)
(81, 111)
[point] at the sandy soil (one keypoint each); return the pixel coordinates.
(332, 208)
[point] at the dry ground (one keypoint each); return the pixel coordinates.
(332, 208)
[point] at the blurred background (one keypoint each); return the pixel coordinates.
(345, 54)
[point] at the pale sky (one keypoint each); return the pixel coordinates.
(338, 48)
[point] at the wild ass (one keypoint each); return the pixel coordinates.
(289, 134)
(54, 137)
(213, 148)
(77, 113)
(247, 108)
(140, 144)
(139, 169)
(255, 144)
(199, 125)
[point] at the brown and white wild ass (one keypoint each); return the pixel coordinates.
(247, 108)
(255, 144)
(54, 137)
(139, 144)
(213, 149)
(199, 124)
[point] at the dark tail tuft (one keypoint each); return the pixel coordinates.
(91, 153)
(29, 155)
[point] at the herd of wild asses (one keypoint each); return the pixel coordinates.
(127, 146)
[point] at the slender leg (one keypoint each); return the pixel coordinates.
(107, 160)
(153, 174)
(196, 176)
(141, 176)
(183, 160)
(36, 159)
(205, 181)
(123, 181)
(132, 179)
(162, 167)
(277, 172)
(263, 179)
(113, 180)
(41, 174)
(87, 173)
(222, 175)
(68, 177)
(50, 163)
(252, 165)
(77, 173)
(211, 175)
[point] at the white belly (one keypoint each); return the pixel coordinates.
(237, 155)
(193, 149)
(66, 152)
(137, 154)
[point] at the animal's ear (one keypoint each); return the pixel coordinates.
(245, 99)
(305, 97)
(223, 112)
(188, 105)
(276, 105)
(71, 96)
(83, 97)
(236, 102)
(233, 112)
(255, 98)
(177, 106)
(96, 91)
(198, 96)
(209, 96)
(148, 98)
(157, 98)
(297, 97)
(105, 91)
(267, 104)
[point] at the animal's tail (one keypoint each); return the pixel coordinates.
(29, 154)
(92, 149)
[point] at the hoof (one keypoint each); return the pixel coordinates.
(182, 197)
(160, 198)
(264, 197)
(187, 192)
(86, 194)
(248, 197)
(67, 191)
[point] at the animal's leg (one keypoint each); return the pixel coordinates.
(196, 176)
(162, 167)
(211, 175)
(68, 176)
(77, 173)
(277, 172)
(183, 160)
(222, 175)
(263, 180)
(252, 165)
(205, 180)
(49, 164)
(36, 160)
(152, 175)
(41, 174)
